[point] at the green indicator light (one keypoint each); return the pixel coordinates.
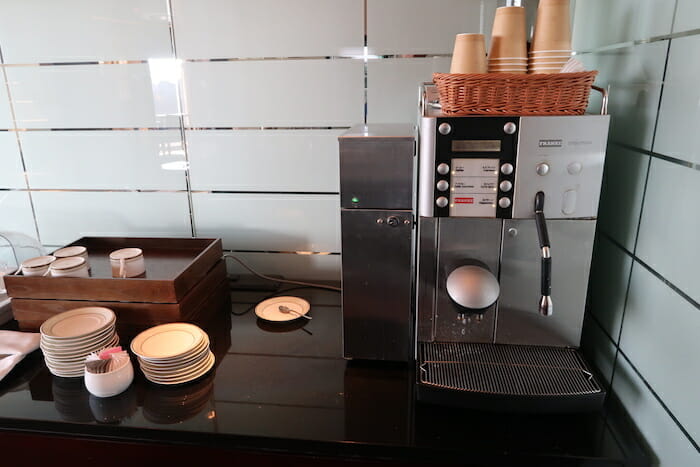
(355, 199)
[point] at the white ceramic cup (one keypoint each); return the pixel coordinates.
(71, 251)
(73, 266)
(127, 262)
(38, 266)
(112, 383)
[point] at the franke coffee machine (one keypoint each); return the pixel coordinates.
(505, 214)
(506, 219)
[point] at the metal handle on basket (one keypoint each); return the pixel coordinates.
(604, 105)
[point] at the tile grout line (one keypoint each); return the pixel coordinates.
(365, 52)
(647, 384)
(181, 107)
(641, 209)
(651, 270)
(11, 105)
(232, 59)
(627, 44)
(658, 155)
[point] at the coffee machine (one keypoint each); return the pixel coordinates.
(506, 220)
(468, 248)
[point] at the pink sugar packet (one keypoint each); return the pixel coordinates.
(106, 353)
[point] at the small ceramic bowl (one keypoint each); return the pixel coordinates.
(38, 266)
(70, 251)
(127, 262)
(112, 383)
(73, 266)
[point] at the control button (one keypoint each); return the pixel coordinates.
(443, 169)
(444, 128)
(510, 128)
(574, 168)
(568, 202)
(392, 221)
(504, 202)
(542, 168)
(442, 185)
(441, 202)
(507, 169)
(505, 186)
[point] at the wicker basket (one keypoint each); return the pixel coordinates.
(510, 94)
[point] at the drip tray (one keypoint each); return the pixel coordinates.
(507, 377)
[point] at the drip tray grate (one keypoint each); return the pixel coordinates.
(508, 370)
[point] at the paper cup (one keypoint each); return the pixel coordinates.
(509, 33)
(469, 54)
(552, 26)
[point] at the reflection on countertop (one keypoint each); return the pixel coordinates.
(288, 381)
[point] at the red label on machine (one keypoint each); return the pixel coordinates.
(464, 200)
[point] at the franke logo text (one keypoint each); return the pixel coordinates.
(551, 143)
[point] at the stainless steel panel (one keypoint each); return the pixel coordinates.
(425, 286)
(426, 167)
(462, 241)
(376, 167)
(573, 151)
(519, 321)
(377, 278)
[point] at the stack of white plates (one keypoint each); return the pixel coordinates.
(173, 353)
(67, 338)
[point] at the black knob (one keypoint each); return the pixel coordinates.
(392, 221)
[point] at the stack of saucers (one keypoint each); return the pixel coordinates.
(67, 338)
(173, 353)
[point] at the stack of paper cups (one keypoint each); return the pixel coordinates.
(551, 43)
(469, 55)
(508, 52)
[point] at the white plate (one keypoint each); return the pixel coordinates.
(175, 366)
(181, 373)
(167, 341)
(185, 379)
(202, 347)
(85, 342)
(269, 309)
(78, 356)
(78, 323)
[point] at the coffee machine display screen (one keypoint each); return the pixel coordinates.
(476, 145)
(474, 187)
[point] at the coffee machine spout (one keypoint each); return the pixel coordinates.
(545, 305)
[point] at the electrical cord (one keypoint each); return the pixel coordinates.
(272, 279)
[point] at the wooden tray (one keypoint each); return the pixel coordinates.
(31, 313)
(173, 267)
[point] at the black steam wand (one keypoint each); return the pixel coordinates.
(545, 305)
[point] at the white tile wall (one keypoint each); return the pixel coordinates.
(268, 28)
(602, 22)
(35, 31)
(598, 349)
(635, 76)
(16, 213)
(660, 337)
(687, 15)
(145, 160)
(275, 160)
(424, 27)
(392, 87)
(65, 216)
(669, 446)
(610, 271)
(85, 96)
(11, 172)
(5, 113)
(680, 106)
(668, 234)
(622, 193)
(270, 222)
(275, 93)
(292, 266)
